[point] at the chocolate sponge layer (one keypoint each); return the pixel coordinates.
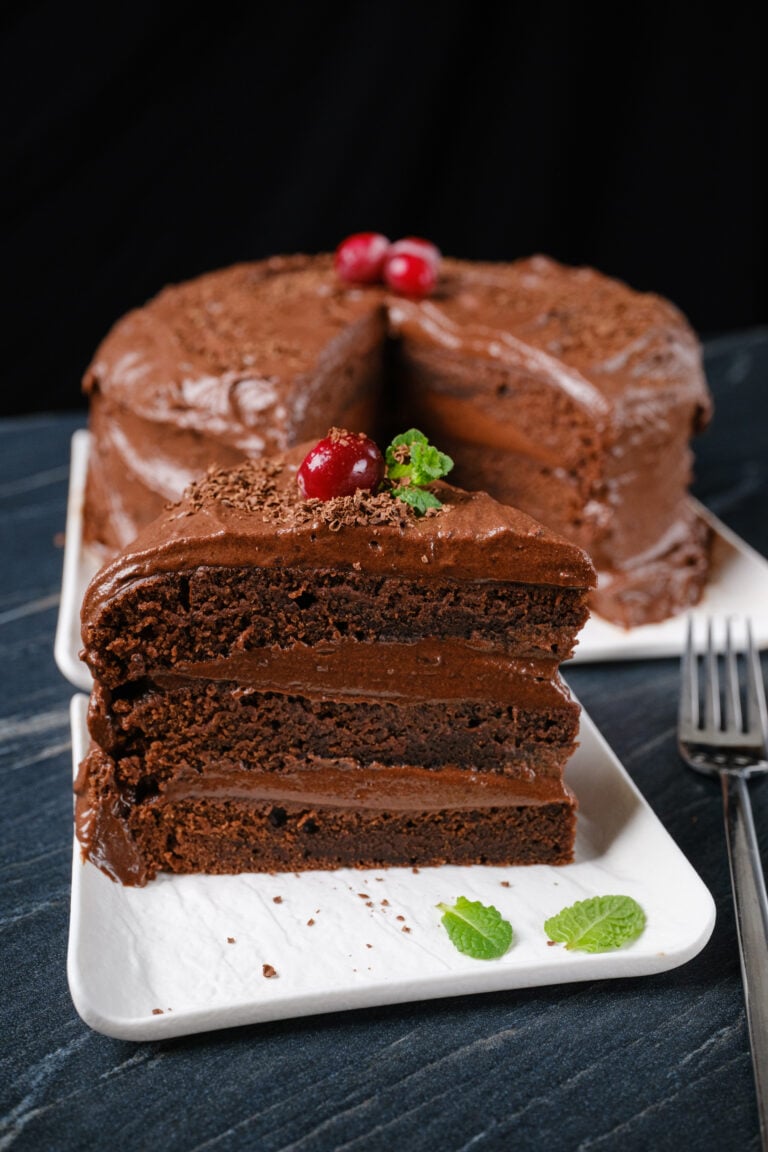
(209, 612)
(203, 726)
(134, 842)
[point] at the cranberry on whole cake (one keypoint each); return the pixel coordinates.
(285, 680)
(556, 389)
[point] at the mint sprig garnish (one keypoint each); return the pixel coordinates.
(418, 498)
(599, 924)
(412, 462)
(476, 929)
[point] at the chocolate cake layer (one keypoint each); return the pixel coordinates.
(266, 612)
(277, 828)
(202, 724)
(555, 389)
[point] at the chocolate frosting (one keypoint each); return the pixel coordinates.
(341, 784)
(432, 670)
(470, 537)
(233, 354)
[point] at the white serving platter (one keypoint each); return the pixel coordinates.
(185, 954)
(79, 566)
(739, 586)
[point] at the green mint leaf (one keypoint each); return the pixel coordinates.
(427, 464)
(599, 924)
(476, 929)
(405, 440)
(410, 456)
(412, 459)
(418, 498)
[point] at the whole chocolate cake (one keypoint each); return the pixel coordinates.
(555, 389)
(285, 683)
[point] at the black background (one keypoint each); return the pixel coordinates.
(145, 144)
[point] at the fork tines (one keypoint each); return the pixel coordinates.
(723, 714)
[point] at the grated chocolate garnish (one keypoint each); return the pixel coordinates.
(249, 487)
(359, 510)
(253, 487)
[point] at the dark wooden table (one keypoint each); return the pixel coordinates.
(653, 1063)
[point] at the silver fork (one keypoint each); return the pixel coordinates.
(732, 742)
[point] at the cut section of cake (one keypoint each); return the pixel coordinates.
(564, 392)
(285, 683)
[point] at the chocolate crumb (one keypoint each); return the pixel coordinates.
(268, 971)
(415, 870)
(504, 883)
(310, 922)
(399, 917)
(369, 903)
(405, 928)
(230, 940)
(255, 487)
(385, 903)
(363, 895)
(157, 1012)
(369, 945)
(251, 487)
(277, 899)
(551, 943)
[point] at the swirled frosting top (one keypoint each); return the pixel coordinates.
(231, 351)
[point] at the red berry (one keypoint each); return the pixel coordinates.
(339, 465)
(360, 258)
(411, 273)
(415, 246)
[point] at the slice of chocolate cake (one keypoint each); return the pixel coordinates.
(285, 683)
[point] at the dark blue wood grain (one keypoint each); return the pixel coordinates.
(654, 1063)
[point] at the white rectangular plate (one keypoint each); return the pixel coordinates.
(79, 566)
(739, 586)
(186, 953)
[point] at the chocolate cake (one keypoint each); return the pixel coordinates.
(555, 389)
(285, 683)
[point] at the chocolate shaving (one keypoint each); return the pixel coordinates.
(363, 509)
(253, 487)
(250, 487)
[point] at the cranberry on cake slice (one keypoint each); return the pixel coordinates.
(341, 464)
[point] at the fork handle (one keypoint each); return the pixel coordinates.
(751, 904)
